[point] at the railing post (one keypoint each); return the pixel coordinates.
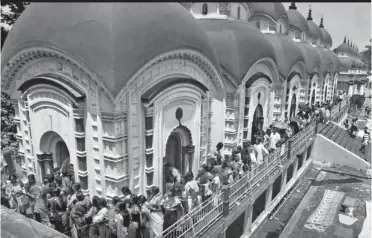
(226, 201)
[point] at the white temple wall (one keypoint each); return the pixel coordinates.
(218, 123)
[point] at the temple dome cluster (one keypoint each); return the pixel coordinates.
(114, 40)
(124, 89)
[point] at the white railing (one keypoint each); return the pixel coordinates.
(202, 217)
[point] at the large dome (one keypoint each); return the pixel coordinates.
(327, 39)
(238, 44)
(314, 30)
(326, 60)
(347, 49)
(312, 56)
(113, 39)
(296, 19)
(274, 10)
(335, 60)
(287, 53)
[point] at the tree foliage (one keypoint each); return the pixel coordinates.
(16, 7)
(8, 126)
(10, 11)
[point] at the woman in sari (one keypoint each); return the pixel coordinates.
(41, 209)
(156, 214)
(192, 190)
(145, 226)
(13, 191)
(172, 205)
(31, 191)
(57, 209)
(121, 227)
(135, 218)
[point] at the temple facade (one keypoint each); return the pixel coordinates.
(124, 88)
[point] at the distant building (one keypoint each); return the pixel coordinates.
(353, 71)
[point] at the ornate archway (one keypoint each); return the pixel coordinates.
(53, 152)
(179, 152)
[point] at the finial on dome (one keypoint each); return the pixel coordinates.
(293, 6)
(309, 17)
(321, 22)
(345, 39)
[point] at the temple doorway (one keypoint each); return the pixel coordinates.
(52, 143)
(292, 111)
(179, 154)
(313, 97)
(173, 152)
(257, 123)
(61, 152)
(325, 94)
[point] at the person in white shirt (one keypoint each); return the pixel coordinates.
(274, 138)
(260, 150)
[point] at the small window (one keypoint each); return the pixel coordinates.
(280, 28)
(205, 9)
(238, 13)
(258, 25)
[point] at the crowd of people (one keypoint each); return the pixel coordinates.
(60, 203)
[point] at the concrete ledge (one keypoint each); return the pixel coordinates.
(326, 150)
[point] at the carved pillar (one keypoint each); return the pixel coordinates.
(351, 84)
(269, 192)
(149, 134)
(191, 151)
(48, 163)
(248, 219)
(278, 89)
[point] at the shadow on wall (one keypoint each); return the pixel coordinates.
(328, 151)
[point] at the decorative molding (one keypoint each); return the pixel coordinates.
(183, 61)
(35, 61)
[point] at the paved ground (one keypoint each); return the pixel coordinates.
(15, 225)
(293, 215)
(272, 228)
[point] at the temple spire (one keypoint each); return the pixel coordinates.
(348, 41)
(345, 39)
(321, 22)
(309, 17)
(293, 6)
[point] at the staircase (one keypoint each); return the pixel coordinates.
(340, 136)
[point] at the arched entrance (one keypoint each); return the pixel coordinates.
(313, 97)
(61, 152)
(53, 152)
(179, 153)
(257, 123)
(292, 111)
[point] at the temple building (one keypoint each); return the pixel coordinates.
(353, 71)
(124, 88)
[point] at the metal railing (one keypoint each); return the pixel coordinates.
(202, 217)
(197, 220)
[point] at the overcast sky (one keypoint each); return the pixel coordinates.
(352, 20)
